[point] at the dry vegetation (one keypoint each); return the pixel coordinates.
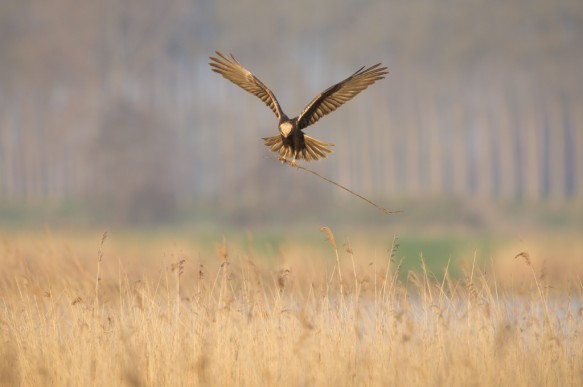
(161, 314)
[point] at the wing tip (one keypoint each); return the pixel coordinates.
(223, 57)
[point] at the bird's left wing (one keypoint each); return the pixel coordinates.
(232, 70)
(342, 92)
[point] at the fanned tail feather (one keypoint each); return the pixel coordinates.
(313, 149)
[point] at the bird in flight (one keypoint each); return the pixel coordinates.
(291, 142)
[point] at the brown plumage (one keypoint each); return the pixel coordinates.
(291, 142)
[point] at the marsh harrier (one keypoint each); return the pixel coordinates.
(291, 142)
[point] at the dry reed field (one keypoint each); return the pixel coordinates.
(91, 310)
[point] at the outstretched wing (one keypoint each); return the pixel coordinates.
(232, 70)
(342, 92)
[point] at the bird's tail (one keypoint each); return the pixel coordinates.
(312, 149)
(315, 149)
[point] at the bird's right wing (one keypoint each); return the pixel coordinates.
(232, 70)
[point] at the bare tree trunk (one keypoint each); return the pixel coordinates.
(531, 125)
(577, 130)
(366, 164)
(557, 148)
(385, 150)
(459, 154)
(413, 154)
(483, 155)
(435, 149)
(506, 150)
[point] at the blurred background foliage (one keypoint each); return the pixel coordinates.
(110, 115)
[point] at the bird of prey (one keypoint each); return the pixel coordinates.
(291, 142)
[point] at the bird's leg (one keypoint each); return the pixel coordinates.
(282, 159)
(296, 155)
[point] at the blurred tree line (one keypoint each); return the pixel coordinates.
(112, 102)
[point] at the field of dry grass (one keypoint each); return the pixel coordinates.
(165, 313)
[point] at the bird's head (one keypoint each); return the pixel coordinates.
(285, 128)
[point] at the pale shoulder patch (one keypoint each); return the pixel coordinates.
(286, 128)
